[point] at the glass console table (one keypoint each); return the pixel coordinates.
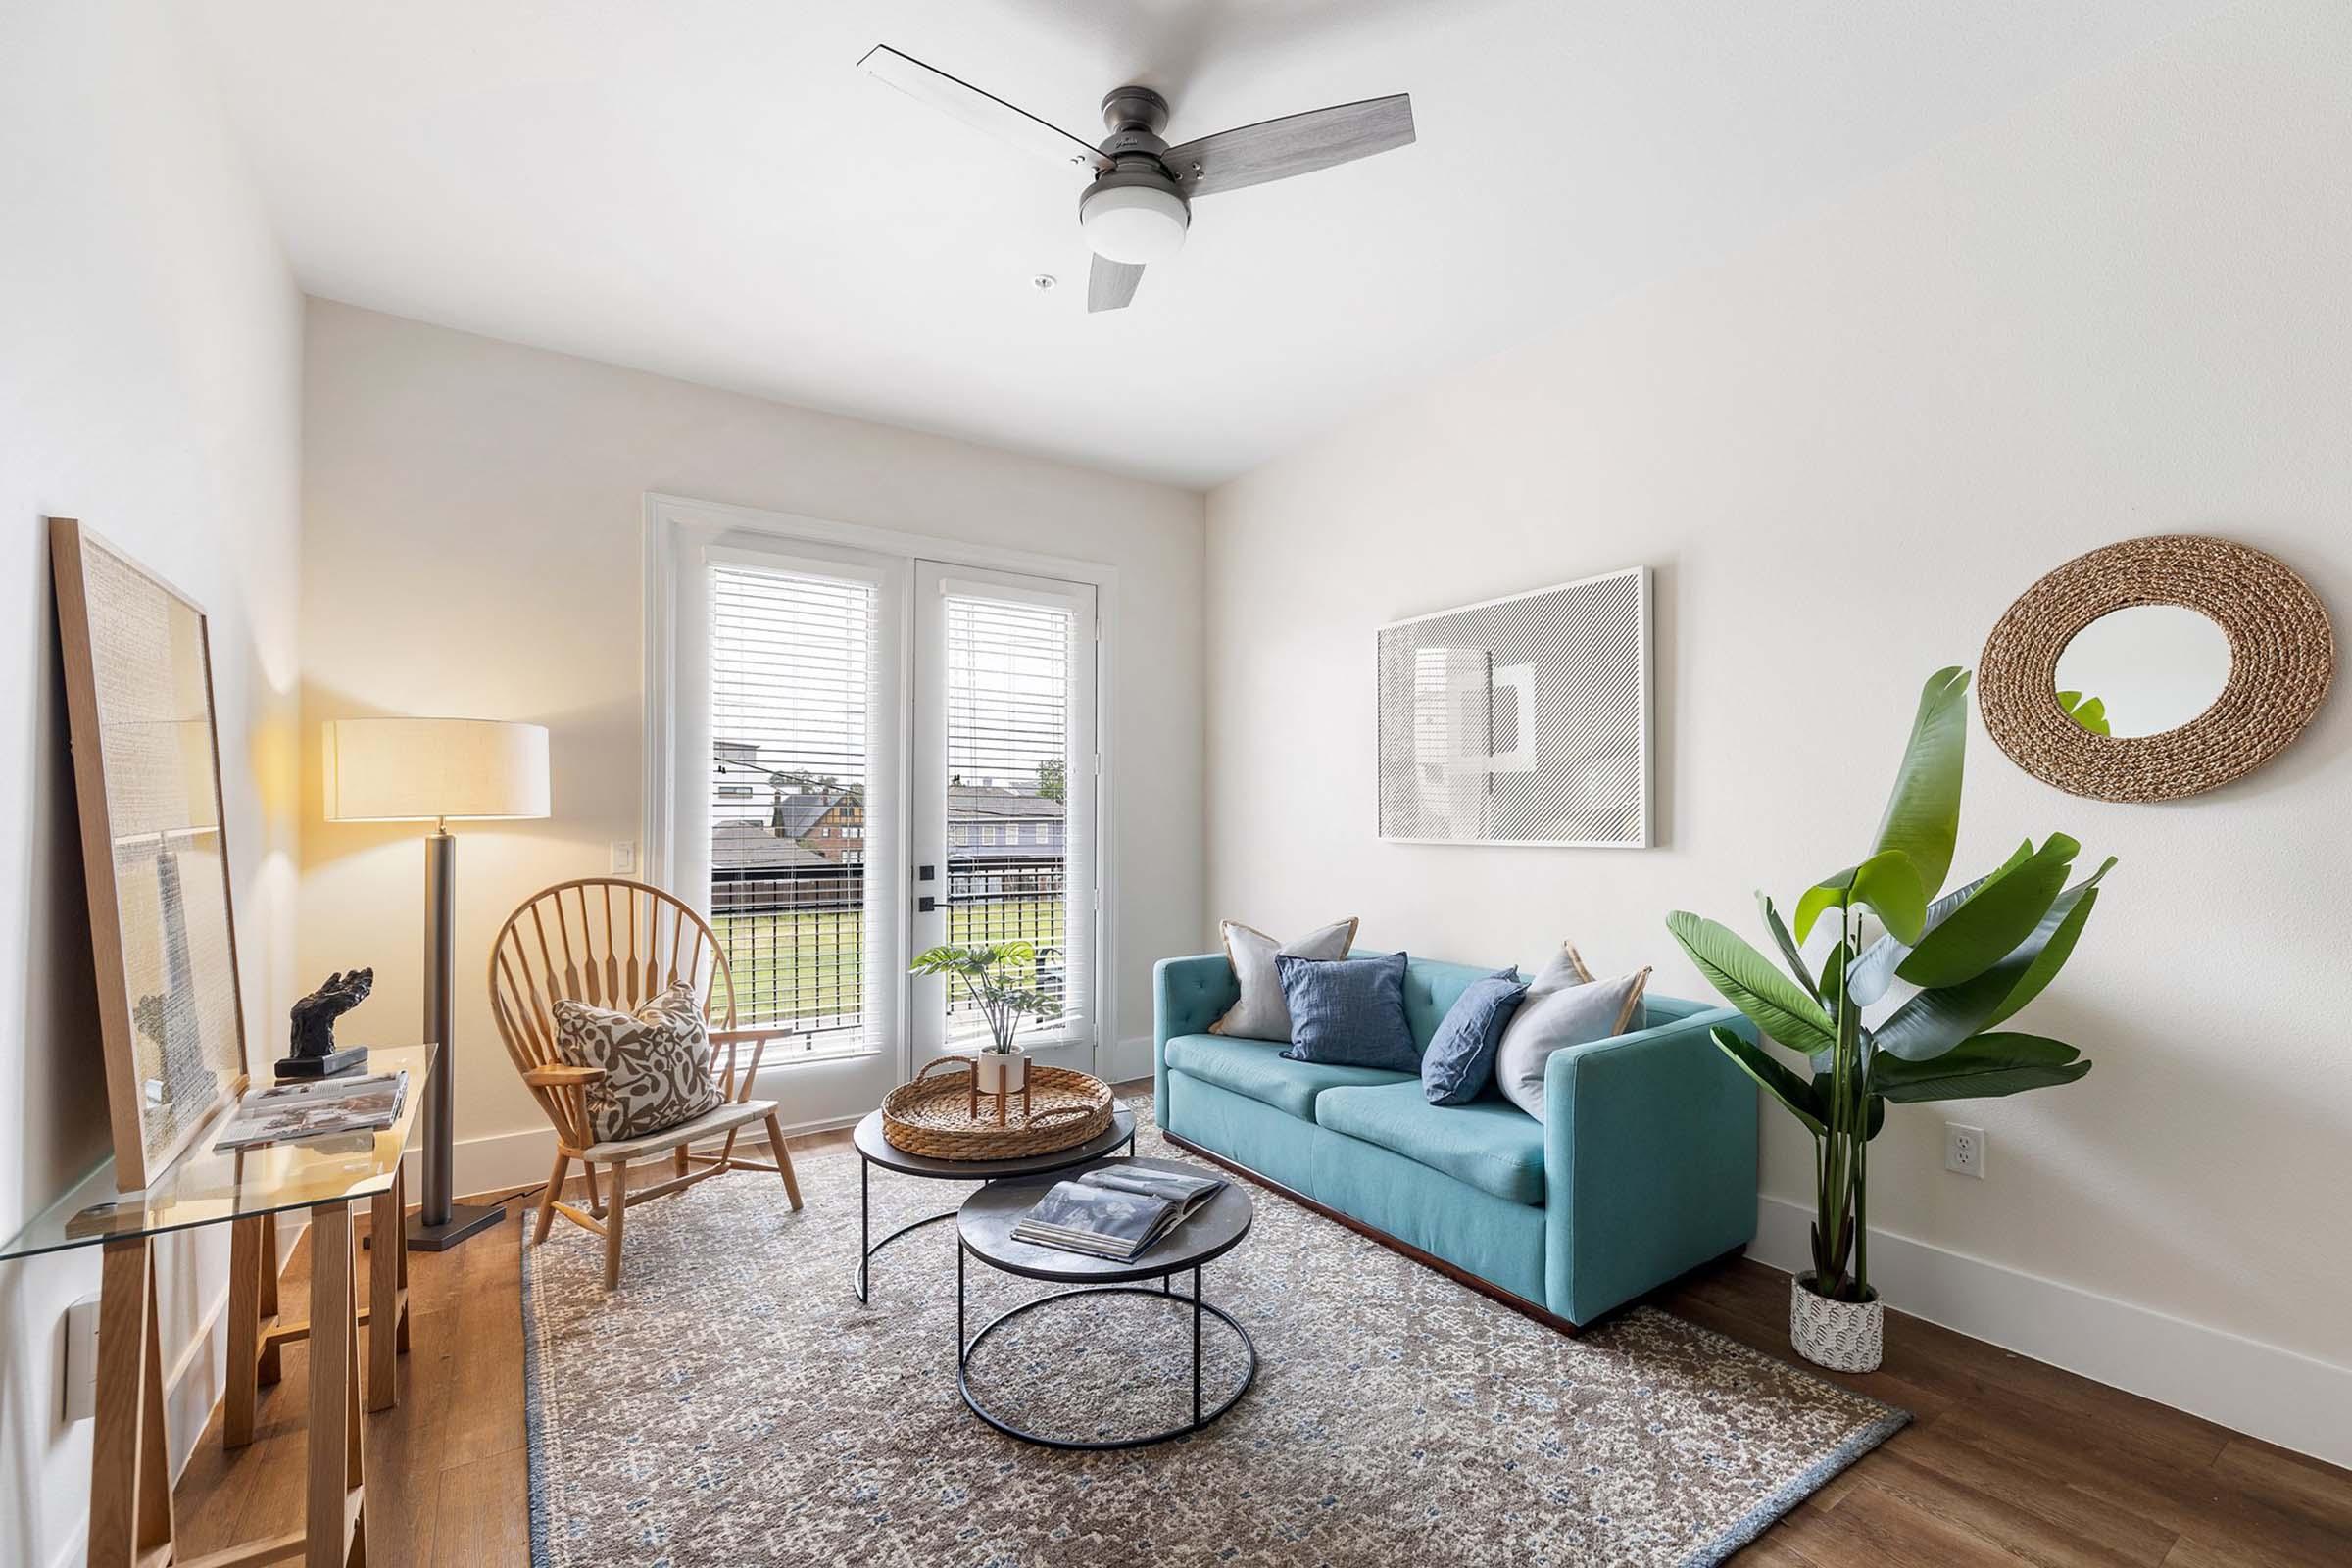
(131, 1478)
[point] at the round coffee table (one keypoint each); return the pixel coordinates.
(876, 1149)
(984, 1229)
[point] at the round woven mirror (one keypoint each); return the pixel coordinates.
(2280, 659)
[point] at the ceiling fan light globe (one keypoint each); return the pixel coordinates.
(1136, 224)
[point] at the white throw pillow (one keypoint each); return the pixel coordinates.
(1569, 1015)
(1261, 1013)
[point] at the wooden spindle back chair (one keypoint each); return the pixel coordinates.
(617, 944)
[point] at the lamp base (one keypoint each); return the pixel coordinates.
(464, 1220)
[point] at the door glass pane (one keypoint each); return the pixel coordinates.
(1007, 713)
(793, 672)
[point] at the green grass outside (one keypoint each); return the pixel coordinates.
(812, 964)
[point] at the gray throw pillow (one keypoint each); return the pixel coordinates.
(1568, 1015)
(1261, 1013)
(657, 1062)
(1565, 969)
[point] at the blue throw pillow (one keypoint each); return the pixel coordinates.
(1347, 1013)
(1460, 1060)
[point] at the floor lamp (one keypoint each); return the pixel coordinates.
(437, 770)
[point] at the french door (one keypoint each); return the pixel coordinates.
(877, 753)
(1003, 770)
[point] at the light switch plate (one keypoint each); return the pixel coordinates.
(624, 857)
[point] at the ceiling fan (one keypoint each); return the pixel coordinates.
(1137, 204)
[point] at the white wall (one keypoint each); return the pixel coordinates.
(472, 516)
(2121, 311)
(149, 357)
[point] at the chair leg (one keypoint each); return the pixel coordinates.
(619, 1171)
(547, 1199)
(596, 1199)
(775, 1142)
(678, 1159)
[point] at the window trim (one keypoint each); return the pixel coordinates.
(676, 525)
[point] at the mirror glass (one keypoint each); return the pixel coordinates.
(2143, 671)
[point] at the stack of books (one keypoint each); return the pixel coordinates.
(1114, 1211)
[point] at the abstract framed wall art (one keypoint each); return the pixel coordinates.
(1521, 721)
(154, 857)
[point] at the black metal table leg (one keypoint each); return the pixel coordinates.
(868, 1248)
(1195, 1345)
(960, 1304)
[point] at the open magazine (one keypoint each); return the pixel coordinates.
(1114, 1211)
(316, 1105)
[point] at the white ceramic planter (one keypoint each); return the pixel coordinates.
(1843, 1335)
(1003, 1073)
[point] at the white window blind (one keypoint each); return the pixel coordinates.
(1010, 776)
(794, 662)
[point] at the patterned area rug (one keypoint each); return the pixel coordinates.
(734, 1405)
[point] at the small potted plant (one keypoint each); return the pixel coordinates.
(1968, 960)
(998, 976)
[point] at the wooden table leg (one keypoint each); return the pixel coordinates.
(400, 1228)
(334, 1515)
(246, 1268)
(273, 1366)
(131, 1475)
(387, 1228)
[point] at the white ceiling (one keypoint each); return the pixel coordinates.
(709, 188)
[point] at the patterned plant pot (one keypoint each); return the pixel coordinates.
(1843, 1335)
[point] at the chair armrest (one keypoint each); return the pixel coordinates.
(753, 1035)
(739, 1088)
(1650, 1162)
(561, 1077)
(1188, 995)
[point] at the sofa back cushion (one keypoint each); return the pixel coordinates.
(1348, 1011)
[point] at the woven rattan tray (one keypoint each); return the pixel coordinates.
(942, 1115)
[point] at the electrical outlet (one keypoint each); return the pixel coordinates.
(1963, 1150)
(624, 857)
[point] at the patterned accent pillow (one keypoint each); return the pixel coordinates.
(657, 1062)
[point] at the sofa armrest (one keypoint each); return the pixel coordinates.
(1188, 995)
(1650, 1162)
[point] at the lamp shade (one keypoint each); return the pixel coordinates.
(411, 770)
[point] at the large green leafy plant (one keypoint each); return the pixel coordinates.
(997, 976)
(1970, 959)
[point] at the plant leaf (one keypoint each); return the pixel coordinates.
(1868, 977)
(1787, 947)
(1746, 979)
(1983, 1067)
(1888, 882)
(1986, 928)
(1784, 1085)
(1923, 812)
(1935, 1020)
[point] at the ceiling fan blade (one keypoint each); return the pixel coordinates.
(979, 110)
(1110, 286)
(1296, 144)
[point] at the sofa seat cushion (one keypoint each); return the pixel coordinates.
(1257, 1068)
(1489, 1144)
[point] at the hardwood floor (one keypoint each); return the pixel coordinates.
(2006, 1461)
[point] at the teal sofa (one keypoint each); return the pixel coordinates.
(1645, 1167)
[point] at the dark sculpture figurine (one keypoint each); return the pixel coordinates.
(313, 1017)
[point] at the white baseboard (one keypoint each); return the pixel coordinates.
(2279, 1395)
(495, 1162)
